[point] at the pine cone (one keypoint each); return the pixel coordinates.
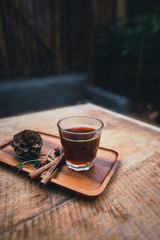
(27, 143)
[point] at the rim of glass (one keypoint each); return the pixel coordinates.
(63, 130)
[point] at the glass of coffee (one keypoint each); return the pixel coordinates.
(80, 137)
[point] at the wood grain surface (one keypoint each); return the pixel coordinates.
(129, 207)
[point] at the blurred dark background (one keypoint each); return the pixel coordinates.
(113, 44)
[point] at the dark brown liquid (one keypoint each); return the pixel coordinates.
(82, 150)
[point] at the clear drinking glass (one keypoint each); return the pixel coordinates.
(80, 137)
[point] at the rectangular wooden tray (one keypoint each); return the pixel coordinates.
(89, 184)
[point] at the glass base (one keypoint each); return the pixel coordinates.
(83, 167)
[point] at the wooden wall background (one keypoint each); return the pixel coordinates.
(42, 37)
(27, 38)
(39, 38)
(49, 37)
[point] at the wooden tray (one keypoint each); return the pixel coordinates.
(89, 184)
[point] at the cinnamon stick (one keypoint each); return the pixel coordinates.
(40, 170)
(53, 169)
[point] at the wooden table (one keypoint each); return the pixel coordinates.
(129, 207)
